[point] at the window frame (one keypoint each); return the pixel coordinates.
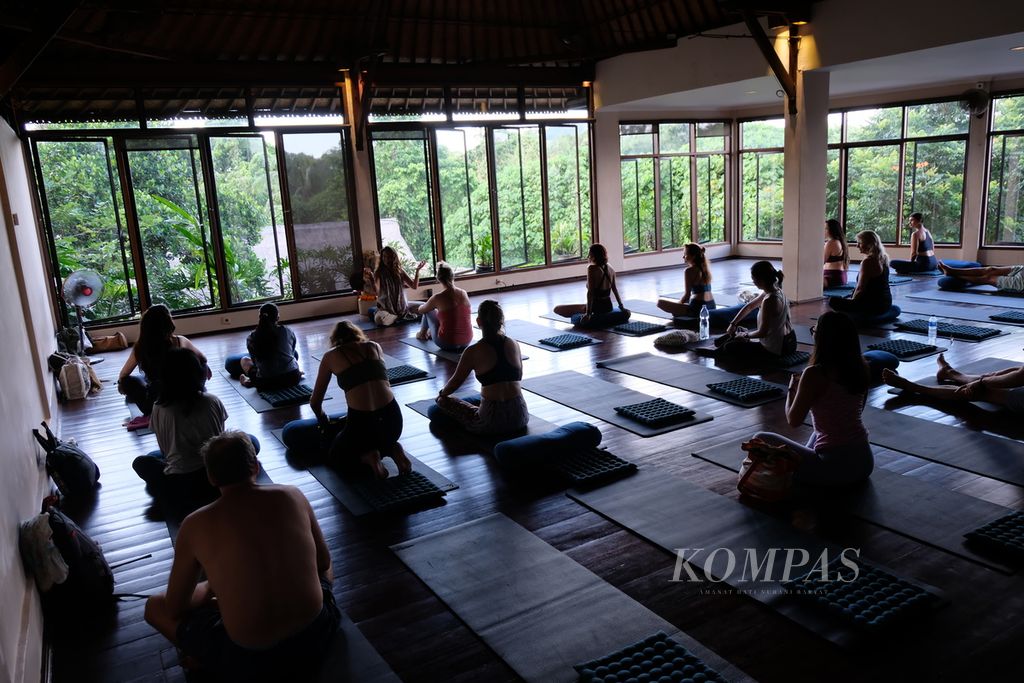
(990, 137)
(740, 151)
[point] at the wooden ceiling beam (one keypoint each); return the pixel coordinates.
(21, 59)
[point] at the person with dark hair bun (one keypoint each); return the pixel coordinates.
(774, 336)
(837, 255)
(272, 362)
(922, 249)
(600, 287)
(696, 285)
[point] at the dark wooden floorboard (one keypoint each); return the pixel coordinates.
(422, 640)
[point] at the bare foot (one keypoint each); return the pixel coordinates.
(945, 372)
(894, 380)
(423, 335)
(372, 460)
(401, 459)
(943, 267)
(244, 381)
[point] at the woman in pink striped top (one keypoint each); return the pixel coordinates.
(832, 389)
(447, 315)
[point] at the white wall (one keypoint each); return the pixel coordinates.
(26, 337)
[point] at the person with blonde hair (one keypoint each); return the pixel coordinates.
(498, 365)
(871, 296)
(696, 285)
(446, 315)
(373, 423)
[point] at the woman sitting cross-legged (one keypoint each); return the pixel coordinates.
(184, 418)
(373, 423)
(922, 249)
(156, 340)
(871, 297)
(390, 281)
(272, 362)
(446, 315)
(498, 366)
(600, 287)
(774, 336)
(696, 285)
(832, 389)
(1003, 387)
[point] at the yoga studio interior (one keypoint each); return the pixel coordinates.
(578, 162)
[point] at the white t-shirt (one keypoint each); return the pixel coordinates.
(181, 434)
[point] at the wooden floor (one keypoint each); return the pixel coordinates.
(977, 637)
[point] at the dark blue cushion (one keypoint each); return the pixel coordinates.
(616, 316)
(721, 317)
(535, 449)
(878, 361)
(303, 436)
(233, 364)
(955, 284)
(863, 320)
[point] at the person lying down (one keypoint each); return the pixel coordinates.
(1003, 387)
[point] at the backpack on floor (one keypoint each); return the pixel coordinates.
(71, 469)
(90, 580)
(74, 378)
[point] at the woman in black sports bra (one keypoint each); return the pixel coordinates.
(373, 424)
(498, 365)
(837, 255)
(922, 248)
(600, 287)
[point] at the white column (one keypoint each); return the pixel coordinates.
(608, 186)
(804, 198)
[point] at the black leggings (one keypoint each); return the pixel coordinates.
(859, 306)
(752, 351)
(921, 263)
(365, 431)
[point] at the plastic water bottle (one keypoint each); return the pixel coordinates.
(705, 323)
(933, 330)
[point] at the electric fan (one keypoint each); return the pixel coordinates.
(82, 289)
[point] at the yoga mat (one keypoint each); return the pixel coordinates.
(174, 524)
(976, 295)
(681, 375)
(905, 505)
(598, 398)
(989, 456)
(531, 333)
(538, 609)
(341, 488)
(673, 513)
(978, 367)
(430, 347)
(644, 307)
(351, 657)
(926, 309)
(260, 405)
(389, 362)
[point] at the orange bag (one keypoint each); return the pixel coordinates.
(767, 471)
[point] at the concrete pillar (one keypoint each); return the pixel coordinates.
(608, 186)
(806, 143)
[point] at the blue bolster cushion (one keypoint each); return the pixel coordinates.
(885, 318)
(616, 316)
(535, 449)
(955, 284)
(878, 361)
(718, 318)
(303, 436)
(233, 364)
(438, 417)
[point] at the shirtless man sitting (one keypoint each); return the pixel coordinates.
(1003, 387)
(266, 609)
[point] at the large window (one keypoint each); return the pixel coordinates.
(761, 161)
(886, 163)
(1004, 215)
(485, 197)
(673, 184)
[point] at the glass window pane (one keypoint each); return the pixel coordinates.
(674, 138)
(316, 172)
(86, 221)
(568, 167)
(1008, 113)
(711, 136)
(676, 229)
(1004, 219)
(832, 184)
(636, 138)
(763, 134)
(762, 196)
(933, 184)
(520, 211)
(874, 124)
(939, 118)
(465, 209)
(835, 128)
(872, 181)
(711, 198)
(170, 201)
(638, 205)
(403, 196)
(248, 224)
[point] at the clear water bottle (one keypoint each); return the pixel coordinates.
(933, 330)
(705, 323)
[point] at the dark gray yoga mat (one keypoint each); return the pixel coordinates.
(943, 310)
(261, 405)
(673, 513)
(598, 398)
(650, 308)
(341, 487)
(531, 333)
(535, 426)
(976, 295)
(682, 375)
(989, 456)
(538, 609)
(430, 347)
(905, 505)
(978, 367)
(351, 657)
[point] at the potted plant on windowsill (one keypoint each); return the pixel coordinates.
(485, 254)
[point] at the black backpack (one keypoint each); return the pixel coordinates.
(72, 470)
(90, 580)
